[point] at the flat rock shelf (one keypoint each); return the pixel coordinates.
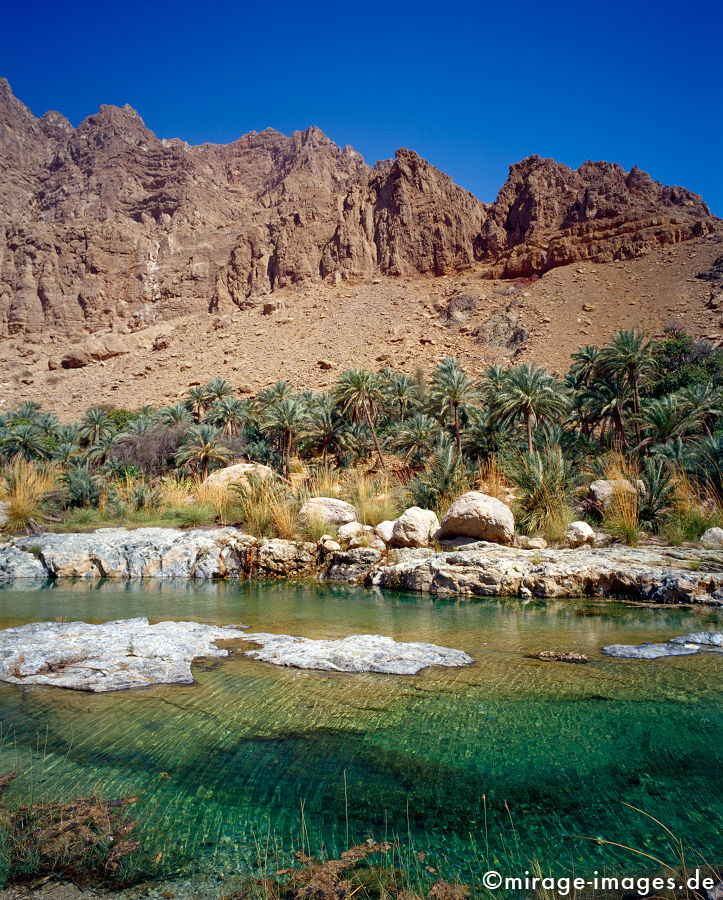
(699, 642)
(356, 653)
(131, 653)
(661, 575)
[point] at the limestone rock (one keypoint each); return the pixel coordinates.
(479, 516)
(503, 328)
(3, 513)
(415, 528)
(700, 642)
(349, 530)
(528, 543)
(579, 533)
(356, 653)
(329, 510)
(601, 492)
(712, 538)
(385, 530)
(114, 656)
(237, 474)
(559, 656)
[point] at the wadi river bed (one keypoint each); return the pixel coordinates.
(488, 766)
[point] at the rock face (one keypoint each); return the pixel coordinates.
(415, 528)
(699, 642)
(328, 510)
(476, 568)
(653, 575)
(480, 516)
(238, 474)
(104, 227)
(356, 653)
(114, 656)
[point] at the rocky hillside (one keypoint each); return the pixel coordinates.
(105, 228)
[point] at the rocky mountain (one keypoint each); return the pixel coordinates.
(104, 227)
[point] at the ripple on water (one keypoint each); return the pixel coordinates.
(431, 757)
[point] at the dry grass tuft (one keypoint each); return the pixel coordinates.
(30, 492)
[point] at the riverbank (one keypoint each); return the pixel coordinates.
(655, 575)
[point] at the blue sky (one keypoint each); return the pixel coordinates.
(471, 86)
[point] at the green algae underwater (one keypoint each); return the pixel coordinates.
(491, 766)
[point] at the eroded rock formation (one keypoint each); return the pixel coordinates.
(104, 227)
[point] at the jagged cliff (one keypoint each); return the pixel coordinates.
(105, 226)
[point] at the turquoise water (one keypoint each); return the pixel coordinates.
(489, 766)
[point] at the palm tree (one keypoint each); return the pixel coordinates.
(218, 388)
(530, 393)
(451, 391)
(359, 393)
(491, 382)
(25, 414)
(585, 364)
(175, 414)
(102, 449)
(703, 403)
(604, 401)
(274, 392)
(285, 419)
(230, 414)
(665, 420)
(402, 390)
(416, 436)
(197, 401)
(94, 425)
(324, 428)
(628, 357)
(202, 449)
(24, 440)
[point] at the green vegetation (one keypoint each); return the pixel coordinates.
(647, 412)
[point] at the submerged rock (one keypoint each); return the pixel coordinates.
(558, 656)
(114, 656)
(698, 642)
(356, 653)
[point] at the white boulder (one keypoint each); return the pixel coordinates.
(237, 474)
(385, 529)
(579, 533)
(349, 531)
(479, 516)
(712, 539)
(600, 493)
(415, 527)
(528, 543)
(328, 510)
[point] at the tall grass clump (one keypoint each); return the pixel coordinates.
(32, 494)
(692, 511)
(622, 516)
(373, 496)
(544, 483)
(266, 507)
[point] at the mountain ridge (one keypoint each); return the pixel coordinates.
(106, 227)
